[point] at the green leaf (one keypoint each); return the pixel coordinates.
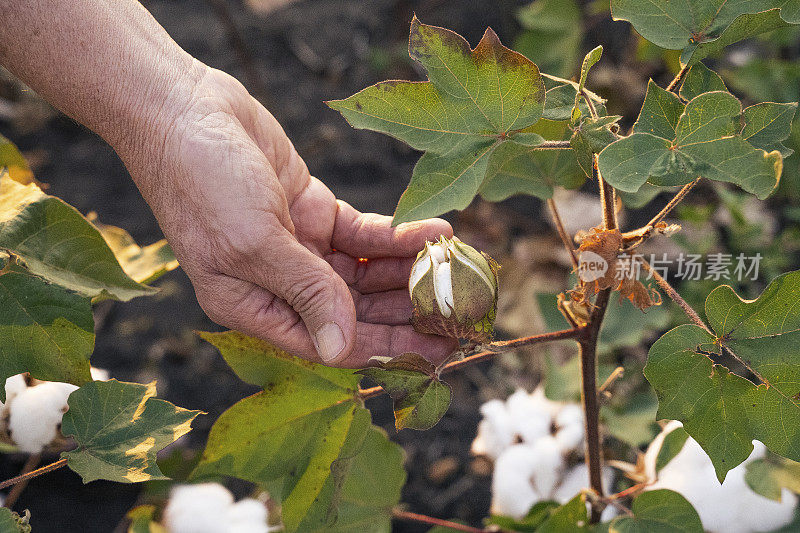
(660, 112)
(142, 519)
(13, 161)
(767, 124)
(590, 137)
(54, 241)
(703, 25)
(742, 27)
(11, 522)
(769, 476)
(370, 490)
(44, 329)
(659, 511)
(589, 60)
(560, 100)
(515, 169)
(118, 428)
(141, 264)
(537, 514)
(571, 516)
(420, 398)
(705, 144)
(724, 412)
(700, 79)
(551, 36)
(671, 447)
(300, 435)
(474, 101)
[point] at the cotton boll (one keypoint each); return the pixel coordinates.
(731, 507)
(495, 431)
(248, 516)
(570, 438)
(14, 386)
(201, 508)
(531, 419)
(512, 489)
(525, 474)
(35, 415)
(100, 374)
(576, 479)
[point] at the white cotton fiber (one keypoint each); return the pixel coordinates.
(495, 431)
(530, 417)
(248, 516)
(201, 508)
(35, 415)
(731, 507)
(209, 508)
(100, 374)
(14, 386)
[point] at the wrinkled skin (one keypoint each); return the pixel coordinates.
(269, 249)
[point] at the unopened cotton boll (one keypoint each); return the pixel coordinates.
(730, 507)
(35, 414)
(201, 508)
(495, 431)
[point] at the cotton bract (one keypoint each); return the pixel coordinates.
(453, 289)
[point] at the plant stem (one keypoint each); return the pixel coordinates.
(562, 232)
(552, 145)
(35, 473)
(491, 351)
(31, 463)
(587, 349)
(424, 519)
(607, 199)
(642, 234)
(678, 78)
(675, 297)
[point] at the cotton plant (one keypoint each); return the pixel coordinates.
(530, 438)
(33, 410)
(210, 508)
(729, 507)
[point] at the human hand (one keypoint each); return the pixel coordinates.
(269, 249)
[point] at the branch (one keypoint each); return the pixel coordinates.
(552, 145)
(16, 490)
(642, 234)
(678, 78)
(607, 198)
(562, 232)
(35, 473)
(587, 349)
(424, 519)
(491, 351)
(675, 297)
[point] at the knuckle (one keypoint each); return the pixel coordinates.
(307, 293)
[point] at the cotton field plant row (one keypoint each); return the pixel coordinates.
(489, 124)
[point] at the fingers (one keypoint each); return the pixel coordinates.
(373, 275)
(309, 285)
(370, 235)
(380, 340)
(390, 307)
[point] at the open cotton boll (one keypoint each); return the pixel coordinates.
(570, 432)
(495, 431)
(525, 474)
(576, 479)
(35, 414)
(14, 386)
(731, 507)
(201, 508)
(248, 516)
(531, 419)
(100, 374)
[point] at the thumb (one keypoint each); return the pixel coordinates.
(316, 292)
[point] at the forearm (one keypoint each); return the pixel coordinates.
(106, 63)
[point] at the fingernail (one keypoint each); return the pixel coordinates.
(329, 341)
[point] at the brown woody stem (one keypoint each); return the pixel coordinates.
(678, 78)
(35, 473)
(562, 233)
(491, 351)
(675, 297)
(408, 516)
(16, 490)
(552, 145)
(642, 234)
(607, 198)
